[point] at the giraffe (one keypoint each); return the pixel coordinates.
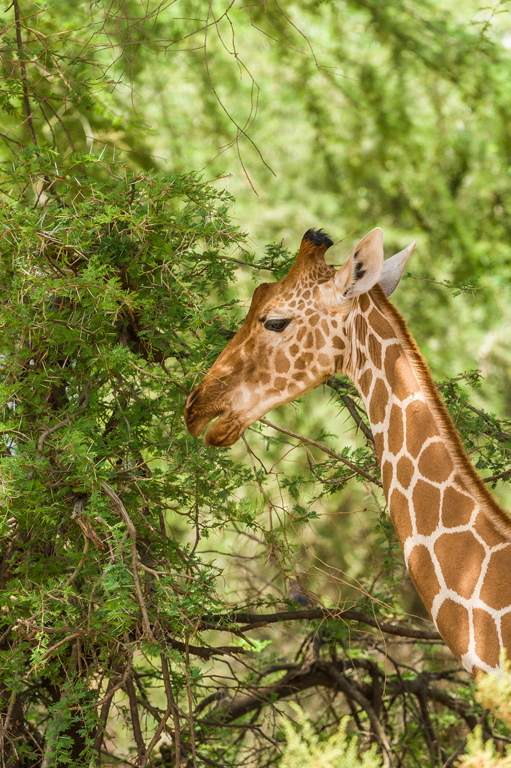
(317, 320)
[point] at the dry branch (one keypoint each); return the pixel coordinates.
(321, 613)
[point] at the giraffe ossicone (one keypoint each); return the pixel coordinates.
(317, 321)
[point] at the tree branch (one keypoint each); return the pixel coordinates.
(326, 450)
(135, 720)
(24, 86)
(320, 613)
(350, 690)
(337, 386)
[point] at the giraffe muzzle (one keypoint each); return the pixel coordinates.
(224, 430)
(205, 404)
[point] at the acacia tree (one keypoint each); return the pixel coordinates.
(120, 640)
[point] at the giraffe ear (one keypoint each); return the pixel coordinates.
(363, 268)
(393, 269)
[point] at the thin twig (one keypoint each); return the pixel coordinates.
(135, 720)
(336, 385)
(134, 558)
(497, 477)
(118, 685)
(79, 567)
(172, 704)
(40, 443)
(50, 651)
(5, 726)
(351, 691)
(171, 709)
(326, 450)
(101, 726)
(21, 60)
(190, 707)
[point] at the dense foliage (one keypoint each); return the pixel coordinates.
(161, 601)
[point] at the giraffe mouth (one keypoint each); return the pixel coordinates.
(223, 431)
(224, 427)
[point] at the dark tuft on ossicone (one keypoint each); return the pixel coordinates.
(318, 237)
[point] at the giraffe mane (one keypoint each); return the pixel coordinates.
(498, 516)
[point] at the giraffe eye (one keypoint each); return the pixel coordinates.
(276, 325)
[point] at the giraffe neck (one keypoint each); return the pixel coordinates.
(456, 540)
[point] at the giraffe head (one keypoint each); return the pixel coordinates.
(297, 333)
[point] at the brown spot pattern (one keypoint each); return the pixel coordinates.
(426, 504)
(453, 622)
(309, 341)
(495, 590)
(387, 475)
(365, 382)
(399, 373)
(405, 470)
(338, 343)
(374, 348)
(419, 426)
(435, 463)
(456, 508)
(460, 556)
(320, 339)
(489, 533)
(400, 515)
(380, 326)
(361, 328)
(314, 320)
(379, 400)
(281, 363)
(486, 637)
(396, 430)
(364, 302)
(323, 360)
(379, 441)
(422, 571)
